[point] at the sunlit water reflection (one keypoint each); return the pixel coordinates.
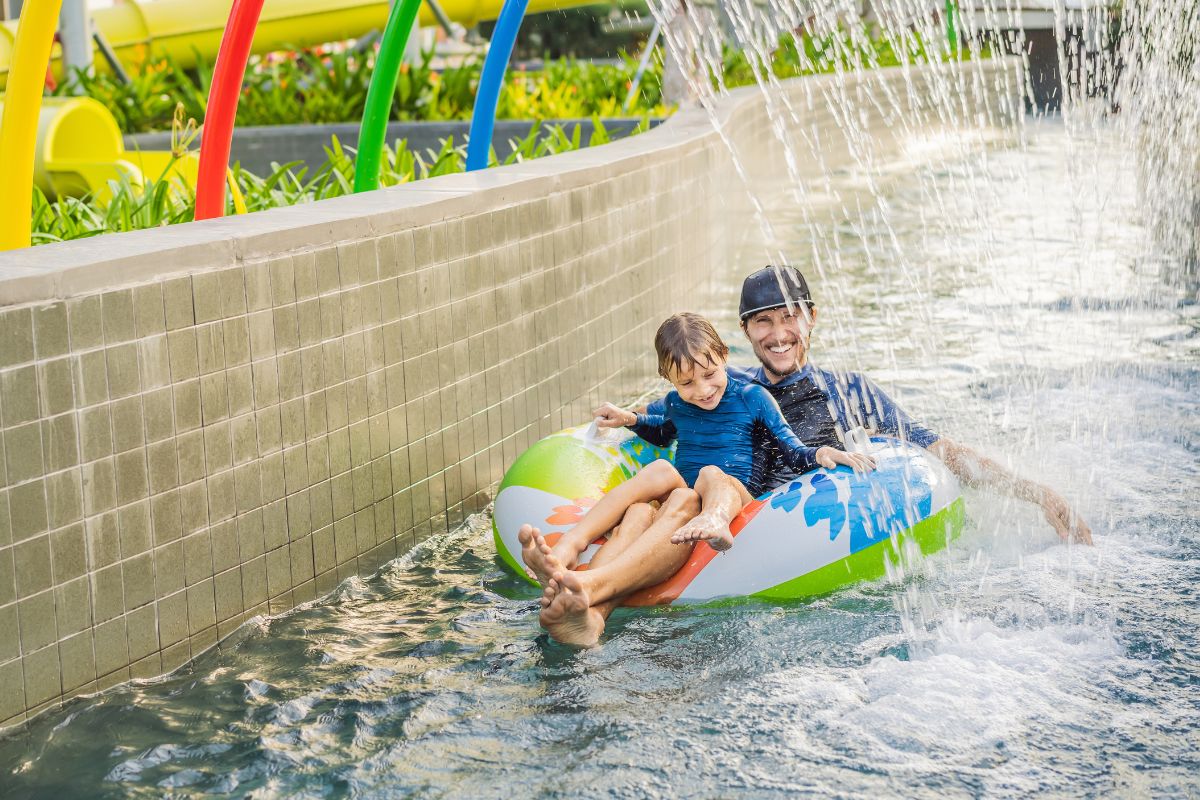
(1008, 301)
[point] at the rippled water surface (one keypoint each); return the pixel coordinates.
(1008, 300)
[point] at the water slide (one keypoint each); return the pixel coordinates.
(183, 28)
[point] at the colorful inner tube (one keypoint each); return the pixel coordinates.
(825, 530)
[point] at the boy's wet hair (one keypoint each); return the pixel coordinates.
(686, 339)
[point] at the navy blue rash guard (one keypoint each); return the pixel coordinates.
(725, 436)
(822, 406)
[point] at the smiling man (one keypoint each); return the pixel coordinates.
(778, 317)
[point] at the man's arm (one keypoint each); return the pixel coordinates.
(975, 469)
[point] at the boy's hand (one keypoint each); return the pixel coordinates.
(610, 416)
(830, 457)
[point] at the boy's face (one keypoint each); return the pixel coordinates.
(702, 385)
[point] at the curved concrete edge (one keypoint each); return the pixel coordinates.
(64, 269)
(207, 423)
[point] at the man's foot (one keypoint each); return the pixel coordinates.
(569, 616)
(534, 552)
(705, 528)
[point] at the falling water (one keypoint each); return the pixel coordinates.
(1026, 287)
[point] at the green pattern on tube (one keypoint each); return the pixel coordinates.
(379, 94)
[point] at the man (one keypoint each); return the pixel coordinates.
(778, 317)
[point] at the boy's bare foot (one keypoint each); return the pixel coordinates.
(705, 528)
(569, 616)
(534, 552)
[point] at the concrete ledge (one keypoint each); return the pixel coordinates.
(208, 422)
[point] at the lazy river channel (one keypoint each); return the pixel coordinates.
(1008, 300)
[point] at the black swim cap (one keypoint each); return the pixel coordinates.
(760, 291)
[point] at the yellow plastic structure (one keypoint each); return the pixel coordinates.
(18, 137)
(183, 28)
(79, 150)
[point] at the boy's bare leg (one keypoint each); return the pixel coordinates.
(652, 482)
(722, 497)
(576, 604)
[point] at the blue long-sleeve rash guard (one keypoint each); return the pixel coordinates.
(725, 436)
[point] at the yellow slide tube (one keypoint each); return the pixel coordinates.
(181, 28)
(19, 119)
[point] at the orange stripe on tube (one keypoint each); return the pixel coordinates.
(669, 590)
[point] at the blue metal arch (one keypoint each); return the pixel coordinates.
(483, 116)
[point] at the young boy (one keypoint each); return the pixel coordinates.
(713, 418)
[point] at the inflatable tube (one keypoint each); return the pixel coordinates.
(820, 532)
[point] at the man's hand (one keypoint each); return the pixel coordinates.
(1069, 526)
(610, 416)
(830, 457)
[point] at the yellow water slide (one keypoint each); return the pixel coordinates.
(183, 28)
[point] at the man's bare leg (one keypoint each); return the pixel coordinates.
(576, 604)
(652, 482)
(637, 520)
(722, 497)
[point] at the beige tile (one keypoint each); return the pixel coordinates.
(138, 578)
(133, 521)
(222, 502)
(172, 619)
(283, 279)
(247, 488)
(266, 384)
(178, 303)
(162, 460)
(32, 562)
(244, 433)
(50, 334)
(279, 572)
(111, 644)
(176, 656)
(19, 395)
(305, 272)
(241, 390)
(250, 535)
(291, 379)
(286, 329)
(254, 582)
(187, 406)
(154, 361)
(228, 588)
(142, 628)
(127, 424)
(158, 414)
(149, 310)
(77, 661)
(210, 348)
(226, 551)
(36, 617)
(233, 291)
(73, 605)
(103, 540)
(206, 297)
(64, 499)
(124, 378)
(27, 509)
(117, 314)
(146, 668)
(202, 612)
(258, 286)
(275, 532)
(23, 452)
(299, 515)
(165, 521)
(169, 569)
(43, 680)
(183, 354)
(132, 482)
(193, 505)
(218, 447)
(214, 397)
(272, 474)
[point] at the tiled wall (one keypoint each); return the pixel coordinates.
(203, 424)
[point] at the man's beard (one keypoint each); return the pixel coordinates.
(794, 366)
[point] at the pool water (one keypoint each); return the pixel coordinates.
(1011, 301)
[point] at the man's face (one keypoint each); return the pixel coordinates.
(779, 337)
